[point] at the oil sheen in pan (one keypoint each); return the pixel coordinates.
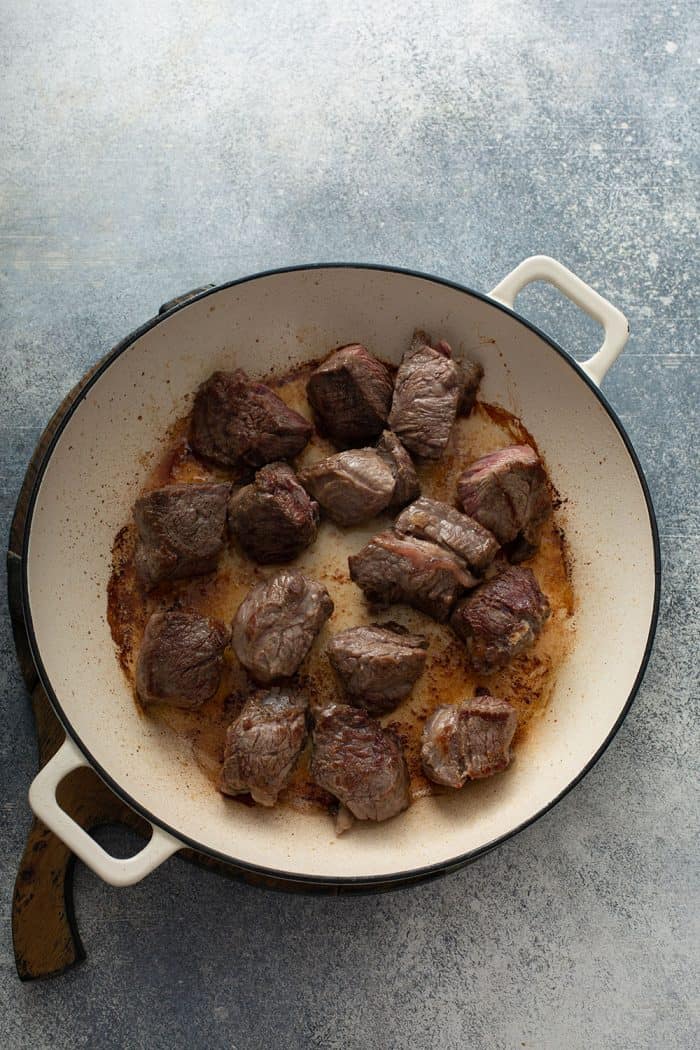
(527, 682)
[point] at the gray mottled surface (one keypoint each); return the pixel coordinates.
(148, 147)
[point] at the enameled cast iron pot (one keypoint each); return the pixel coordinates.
(98, 460)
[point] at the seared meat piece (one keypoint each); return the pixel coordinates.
(507, 492)
(356, 485)
(360, 763)
(181, 531)
(263, 745)
(273, 519)
(471, 373)
(181, 659)
(377, 665)
(277, 622)
(426, 394)
(468, 741)
(392, 568)
(351, 395)
(239, 423)
(501, 618)
(428, 519)
(351, 486)
(406, 484)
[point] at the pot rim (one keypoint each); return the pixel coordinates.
(410, 875)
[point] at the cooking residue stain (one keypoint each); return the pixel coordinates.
(527, 682)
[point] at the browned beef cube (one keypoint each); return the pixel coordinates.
(351, 486)
(360, 763)
(273, 519)
(471, 374)
(406, 484)
(427, 392)
(428, 519)
(277, 622)
(356, 485)
(242, 424)
(506, 491)
(392, 568)
(501, 619)
(181, 659)
(263, 745)
(468, 741)
(350, 394)
(377, 665)
(181, 531)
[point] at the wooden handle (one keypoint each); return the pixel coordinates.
(44, 932)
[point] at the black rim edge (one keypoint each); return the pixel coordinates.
(411, 875)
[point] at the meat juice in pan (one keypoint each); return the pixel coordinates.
(527, 682)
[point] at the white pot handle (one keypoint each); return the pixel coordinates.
(117, 871)
(543, 268)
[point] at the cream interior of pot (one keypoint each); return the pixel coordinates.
(108, 446)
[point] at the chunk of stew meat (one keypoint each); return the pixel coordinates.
(273, 519)
(241, 424)
(471, 374)
(351, 486)
(506, 491)
(350, 394)
(277, 622)
(428, 519)
(355, 485)
(468, 741)
(406, 484)
(377, 665)
(263, 745)
(181, 659)
(359, 763)
(427, 392)
(501, 618)
(392, 568)
(181, 531)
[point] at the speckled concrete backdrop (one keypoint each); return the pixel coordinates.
(148, 147)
